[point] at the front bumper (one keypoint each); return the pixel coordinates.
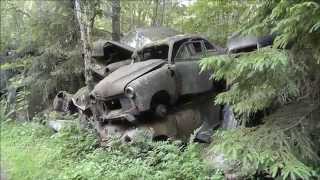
(116, 115)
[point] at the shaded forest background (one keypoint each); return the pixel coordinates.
(41, 54)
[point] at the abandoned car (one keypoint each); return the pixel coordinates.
(163, 72)
(148, 79)
(108, 56)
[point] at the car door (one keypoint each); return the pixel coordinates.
(186, 62)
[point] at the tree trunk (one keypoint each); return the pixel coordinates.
(155, 14)
(163, 12)
(85, 33)
(116, 20)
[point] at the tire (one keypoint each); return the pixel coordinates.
(159, 104)
(161, 110)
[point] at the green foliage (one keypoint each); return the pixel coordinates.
(74, 154)
(281, 147)
(287, 19)
(44, 34)
(256, 79)
(3, 111)
(271, 75)
(18, 64)
(249, 155)
(37, 23)
(51, 72)
(285, 146)
(17, 87)
(214, 19)
(297, 25)
(24, 152)
(39, 78)
(56, 70)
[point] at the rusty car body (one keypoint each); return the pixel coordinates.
(163, 72)
(151, 81)
(199, 116)
(108, 56)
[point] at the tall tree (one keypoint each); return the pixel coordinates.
(155, 14)
(81, 10)
(116, 20)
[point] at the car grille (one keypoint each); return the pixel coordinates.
(113, 104)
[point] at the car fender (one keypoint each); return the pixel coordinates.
(148, 85)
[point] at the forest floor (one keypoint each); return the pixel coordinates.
(33, 151)
(22, 156)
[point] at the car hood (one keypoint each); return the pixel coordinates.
(115, 82)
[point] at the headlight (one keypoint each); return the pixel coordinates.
(129, 92)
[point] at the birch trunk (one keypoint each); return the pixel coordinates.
(85, 33)
(116, 20)
(155, 14)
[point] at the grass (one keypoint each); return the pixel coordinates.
(32, 151)
(26, 150)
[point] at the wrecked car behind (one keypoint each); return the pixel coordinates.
(110, 55)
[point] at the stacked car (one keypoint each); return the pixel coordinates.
(156, 86)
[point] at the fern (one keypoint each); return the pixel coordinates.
(256, 79)
(280, 147)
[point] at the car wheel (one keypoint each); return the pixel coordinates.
(159, 104)
(160, 110)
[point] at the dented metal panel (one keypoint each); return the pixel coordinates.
(115, 83)
(178, 124)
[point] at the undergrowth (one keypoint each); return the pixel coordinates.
(278, 148)
(32, 151)
(285, 146)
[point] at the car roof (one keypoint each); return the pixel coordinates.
(171, 40)
(237, 43)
